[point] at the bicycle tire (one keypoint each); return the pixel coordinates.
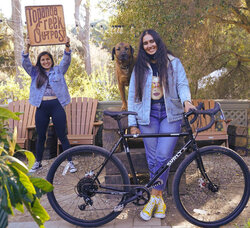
(198, 204)
(68, 201)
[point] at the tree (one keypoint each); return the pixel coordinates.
(18, 36)
(6, 48)
(205, 35)
(83, 32)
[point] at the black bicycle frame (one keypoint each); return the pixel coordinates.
(164, 167)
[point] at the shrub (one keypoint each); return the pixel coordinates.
(18, 189)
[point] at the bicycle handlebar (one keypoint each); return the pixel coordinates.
(210, 112)
(199, 107)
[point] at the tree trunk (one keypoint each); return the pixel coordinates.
(18, 37)
(83, 32)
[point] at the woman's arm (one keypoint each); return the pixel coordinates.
(183, 87)
(131, 100)
(65, 63)
(27, 65)
(27, 46)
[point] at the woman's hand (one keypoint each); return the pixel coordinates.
(135, 131)
(188, 105)
(27, 46)
(67, 45)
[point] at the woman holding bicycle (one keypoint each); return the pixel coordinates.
(49, 93)
(159, 93)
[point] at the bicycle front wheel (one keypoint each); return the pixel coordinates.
(88, 196)
(203, 205)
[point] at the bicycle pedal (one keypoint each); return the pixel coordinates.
(119, 208)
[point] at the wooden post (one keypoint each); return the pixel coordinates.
(238, 139)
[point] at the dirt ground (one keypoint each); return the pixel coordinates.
(173, 217)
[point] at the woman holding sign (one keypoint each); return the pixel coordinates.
(49, 93)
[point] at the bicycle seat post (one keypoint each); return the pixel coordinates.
(121, 131)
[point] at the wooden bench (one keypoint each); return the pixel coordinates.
(217, 132)
(81, 124)
(27, 119)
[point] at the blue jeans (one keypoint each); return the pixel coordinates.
(159, 150)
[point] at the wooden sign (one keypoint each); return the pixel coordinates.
(45, 25)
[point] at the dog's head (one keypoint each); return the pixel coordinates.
(123, 52)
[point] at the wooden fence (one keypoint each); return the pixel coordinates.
(236, 110)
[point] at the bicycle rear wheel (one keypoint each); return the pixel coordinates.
(200, 205)
(79, 200)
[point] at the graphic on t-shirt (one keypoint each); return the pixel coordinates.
(157, 91)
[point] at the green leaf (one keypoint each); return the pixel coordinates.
(36, 218)
(6, 113)
(17, 163)
(3, 218)
(27, 197)
(15, 195)
(10, 191)
(24, 179)
(6, 203)
(5, 168)
(30, 156)
(42, 184)
(39, 211)
(19, 206)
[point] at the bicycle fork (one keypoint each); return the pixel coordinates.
(202, 182)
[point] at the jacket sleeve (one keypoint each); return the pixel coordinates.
(27, 65)
(131, 101)
(182, 83)
(65, 62)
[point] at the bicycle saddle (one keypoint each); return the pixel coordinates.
(118, 114)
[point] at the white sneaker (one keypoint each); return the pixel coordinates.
(35, 167)
(72, 167)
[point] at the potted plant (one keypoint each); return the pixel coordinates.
(18, 189)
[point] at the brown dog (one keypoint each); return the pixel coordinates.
(123, 54)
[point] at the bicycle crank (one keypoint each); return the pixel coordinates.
(139, 196)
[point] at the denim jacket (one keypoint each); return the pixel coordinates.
(56, 80)
(174, 99)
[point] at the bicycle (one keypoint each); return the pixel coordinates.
(212, 174)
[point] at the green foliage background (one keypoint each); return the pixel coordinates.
(205, 35)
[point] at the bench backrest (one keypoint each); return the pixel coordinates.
(27, 118)
(81, 115)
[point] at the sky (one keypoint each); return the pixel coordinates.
(68, 8)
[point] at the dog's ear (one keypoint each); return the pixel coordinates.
(113, 53)
(131, 50)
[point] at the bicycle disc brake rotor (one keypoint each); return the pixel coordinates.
(143, 195)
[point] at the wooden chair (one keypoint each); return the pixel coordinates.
(81, 123)
(27, 118)
(217, 132)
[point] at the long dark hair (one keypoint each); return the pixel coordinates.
(42, 76)
(141, 65)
